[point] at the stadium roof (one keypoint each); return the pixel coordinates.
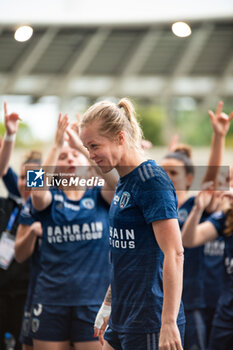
(142, 59)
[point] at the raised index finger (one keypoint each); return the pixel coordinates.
(5, 108)
(219, 108)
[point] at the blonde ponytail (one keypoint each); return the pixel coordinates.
(128, 107)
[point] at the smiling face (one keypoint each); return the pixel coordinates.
(105, 152)
(176, 171)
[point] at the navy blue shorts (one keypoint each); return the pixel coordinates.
(221, 338)
(195, 330)
(132, 341)
(209, 316)
(63, 323)
(25, 329)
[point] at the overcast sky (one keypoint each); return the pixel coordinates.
(110, 11)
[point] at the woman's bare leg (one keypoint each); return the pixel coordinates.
(106, 346)
(27, 347)
(50, 345)
(88, 345)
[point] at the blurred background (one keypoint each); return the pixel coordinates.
(76, 52)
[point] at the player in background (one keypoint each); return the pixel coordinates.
(74, 253)
(179, 167)
(13, 276)
(195, 234)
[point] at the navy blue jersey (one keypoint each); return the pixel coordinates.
(214, 270)
(11, 182)
(144, 195)
(224, 314)
(193, 280)
(74, 255)
(26, 218)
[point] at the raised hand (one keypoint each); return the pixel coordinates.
(73, 139)
(62, 124)
(75, 126)
(11, 121)
(228, 195)
(220, 121)
(204, 197)
(72, 134)
(173, 143)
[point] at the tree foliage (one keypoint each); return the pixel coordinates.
(152, 119)
(24, 136)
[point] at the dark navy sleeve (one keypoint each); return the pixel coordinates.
(157, 198)
(218, 219)
(101, 199)
(26, 217)
(11, 182)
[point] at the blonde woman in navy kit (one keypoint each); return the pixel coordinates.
(144, 298)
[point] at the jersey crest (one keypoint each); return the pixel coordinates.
(125, 197)
(182, 215)
(88, 203)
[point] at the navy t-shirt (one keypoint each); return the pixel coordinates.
(74, 255)
(224, 312)
(11, 182)
(214, 271)
(193, 280)
(144, 195)
(26, 218)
